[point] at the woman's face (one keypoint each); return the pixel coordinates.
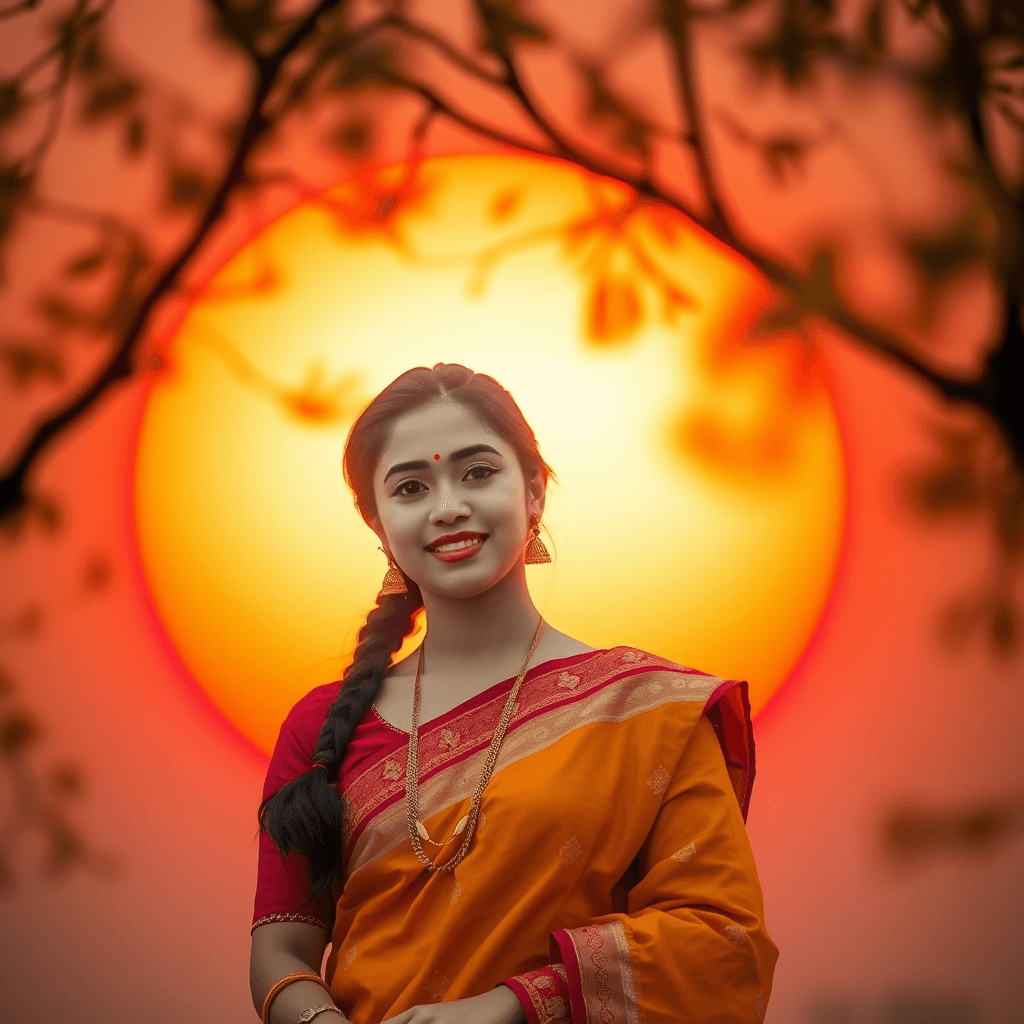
(481, 492)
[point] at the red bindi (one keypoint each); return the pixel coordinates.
(436, 456)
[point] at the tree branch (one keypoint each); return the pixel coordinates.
(675, 20)
(13, 492)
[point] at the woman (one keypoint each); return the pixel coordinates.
(508, 825)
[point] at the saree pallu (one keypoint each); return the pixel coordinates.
(610, 878)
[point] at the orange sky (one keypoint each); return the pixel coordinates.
(875, 713)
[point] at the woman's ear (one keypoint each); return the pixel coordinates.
(537, 493)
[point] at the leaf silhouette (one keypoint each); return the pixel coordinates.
(615, 310)
(10, 100)
(97, 574)
(86, 264)
(108, 98)
(874, 28)
(782, 155)
(503, 24)
(729, 447)
(61, 313)
(67, 781)
(632, 133)
(1004, 630)
(505, 204)
(912, 832)
(952, 485)
(17, 732)
(186, 188)
(135, 134)
(939, 255)
(15, 187)
(353, 137)
(66, 846)
(365, 64)
(91, 57)
(28, 621)
(27, 364)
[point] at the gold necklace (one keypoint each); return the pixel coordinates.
(417, 830)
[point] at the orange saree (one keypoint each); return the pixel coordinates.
(610, 879)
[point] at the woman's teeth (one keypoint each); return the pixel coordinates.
(460, 544)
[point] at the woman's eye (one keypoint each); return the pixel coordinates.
(402, 490)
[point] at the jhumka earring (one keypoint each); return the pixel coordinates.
(535, 550)
(394, 583)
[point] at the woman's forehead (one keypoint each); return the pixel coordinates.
(425, 433)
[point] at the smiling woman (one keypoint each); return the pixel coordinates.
(563, 838)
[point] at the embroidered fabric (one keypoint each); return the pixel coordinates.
(543, 994)
(269, 918)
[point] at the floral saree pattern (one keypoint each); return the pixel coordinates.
(610, 878)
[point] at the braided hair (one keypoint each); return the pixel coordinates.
(306, 813)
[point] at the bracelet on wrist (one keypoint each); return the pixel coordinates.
(288, 979)
(307, 1015)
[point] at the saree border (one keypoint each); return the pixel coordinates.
(728, 710)
(602, 984)
(540, 1005)
(602, 701)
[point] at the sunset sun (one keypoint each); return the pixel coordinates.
(701, 508)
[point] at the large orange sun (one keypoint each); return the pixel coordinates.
(701, 510)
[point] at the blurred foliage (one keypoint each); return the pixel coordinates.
(40, 798)
(911, 834)
(362, 67)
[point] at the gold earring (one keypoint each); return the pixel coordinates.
(393, 583)
(535, 550)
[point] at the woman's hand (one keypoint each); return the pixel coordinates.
(499, 1006)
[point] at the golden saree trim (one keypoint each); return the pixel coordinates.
(272, 918)
(603, 987)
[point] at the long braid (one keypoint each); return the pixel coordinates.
(305, 814)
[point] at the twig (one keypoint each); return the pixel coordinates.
(15, 9)
(674, 18)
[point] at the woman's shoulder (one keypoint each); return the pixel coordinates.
(639, 658)
(297, 739)
(310, 710)
(641, 671)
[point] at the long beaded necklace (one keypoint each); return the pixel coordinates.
(417, 830)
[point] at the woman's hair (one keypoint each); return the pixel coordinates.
(306, 814)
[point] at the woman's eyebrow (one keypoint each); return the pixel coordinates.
(461, 453)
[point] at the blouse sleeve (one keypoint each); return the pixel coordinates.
(691, 945)
(282, 884)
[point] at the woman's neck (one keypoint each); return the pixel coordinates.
(468, 635)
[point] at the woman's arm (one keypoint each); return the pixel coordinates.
(281, 948)
(691, 944)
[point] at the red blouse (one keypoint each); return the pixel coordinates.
(281, 885)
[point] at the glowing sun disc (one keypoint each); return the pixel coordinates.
(701, 510)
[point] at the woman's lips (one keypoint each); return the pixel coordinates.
(462, 554)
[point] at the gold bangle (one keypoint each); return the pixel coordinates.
(287, 980)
